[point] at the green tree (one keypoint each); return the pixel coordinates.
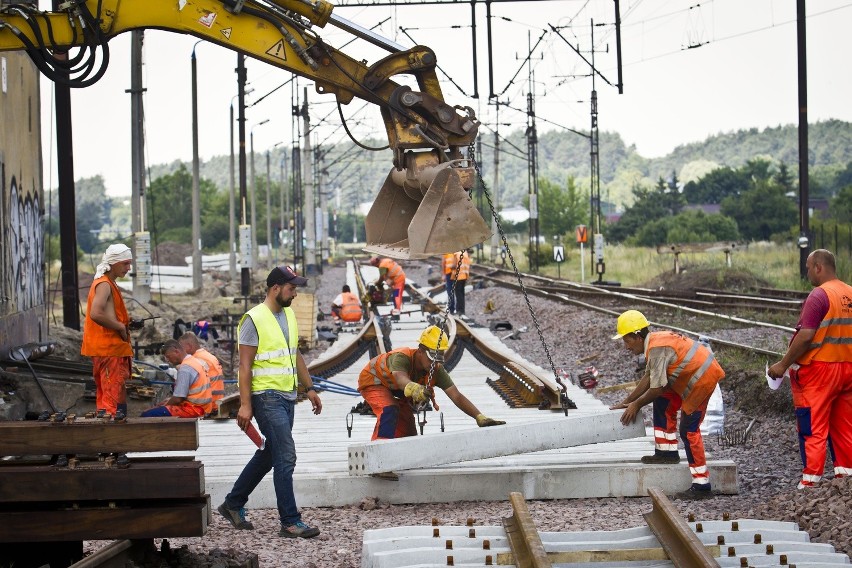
(716, 186)
(785, 179)
(92, 211)
(693, 226)
(841, 205)
(648, 205)
(762, 211)
(170, 205)
(560, 209)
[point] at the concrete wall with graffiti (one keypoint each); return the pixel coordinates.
(22, 280)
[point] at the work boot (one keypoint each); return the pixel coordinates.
(661, 459)
(62, 460)
(695, 491)
(298, 530)
(237, 517)
(122, 461)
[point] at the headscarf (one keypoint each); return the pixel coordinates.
(113, 255)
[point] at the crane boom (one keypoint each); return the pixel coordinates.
(424, 206)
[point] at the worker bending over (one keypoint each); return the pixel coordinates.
(211, 364)
(346, 306)
(392, 274)
(680, 374)
(392, 382)
(191, 396)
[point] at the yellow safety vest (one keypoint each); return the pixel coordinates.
(274, 365)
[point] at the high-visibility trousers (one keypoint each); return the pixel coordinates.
(394, 416)
(666, 407)
(822, 397)
(111, 375)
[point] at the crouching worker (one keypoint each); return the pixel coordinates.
(680, 374)
(211, 364)
(392, 382)
(191, 395)
(346, 306)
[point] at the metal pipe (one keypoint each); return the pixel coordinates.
(365, 34)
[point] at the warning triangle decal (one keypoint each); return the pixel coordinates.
(277, 51)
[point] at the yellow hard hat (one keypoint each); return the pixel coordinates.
(629, 322)
(429, 339)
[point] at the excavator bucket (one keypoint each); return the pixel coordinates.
(402, 224)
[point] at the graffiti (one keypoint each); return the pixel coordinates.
(26, 248)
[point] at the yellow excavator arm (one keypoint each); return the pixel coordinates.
(423, 208)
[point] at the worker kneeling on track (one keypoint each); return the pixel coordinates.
(392, 382)
(191, 396)
(680, 374)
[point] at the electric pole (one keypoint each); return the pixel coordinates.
(308, 184)
(141, 237)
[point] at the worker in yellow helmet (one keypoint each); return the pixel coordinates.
(392, 382)
(680, 374)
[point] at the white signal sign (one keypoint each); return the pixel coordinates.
(559, 253)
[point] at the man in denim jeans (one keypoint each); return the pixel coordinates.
(270, 367)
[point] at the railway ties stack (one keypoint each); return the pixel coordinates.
(46, 509)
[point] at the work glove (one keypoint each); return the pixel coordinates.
(483, 421)
(416, 392)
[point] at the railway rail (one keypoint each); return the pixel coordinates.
(614, 301)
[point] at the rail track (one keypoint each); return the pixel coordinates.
(660, 307)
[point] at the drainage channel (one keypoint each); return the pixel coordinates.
(723, 544)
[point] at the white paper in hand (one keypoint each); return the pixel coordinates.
(775, 383)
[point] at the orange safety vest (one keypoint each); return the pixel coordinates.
(449, 263)
(200, 393)
(377, 371)
(695, 371)
(214, 372)
(394, 274)
(464, 269)
(99, 341)
(832, 342)
(351, 308)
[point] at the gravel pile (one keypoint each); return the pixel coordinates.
(768, 464)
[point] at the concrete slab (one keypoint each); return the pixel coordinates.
(408, 547)
(553, 433)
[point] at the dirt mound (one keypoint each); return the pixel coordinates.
(732, 280)
(171, 253)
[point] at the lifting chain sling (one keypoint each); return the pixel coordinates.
(565, 402)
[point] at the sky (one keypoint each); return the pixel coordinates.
(689, 71)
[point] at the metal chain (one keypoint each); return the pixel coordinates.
(471, 156)
(443, 324)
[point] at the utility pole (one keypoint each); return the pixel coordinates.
(322, 210)
(595, 177)
(269, 239)
(141, 237)
(246, 258)
(308, 181)
(495, 190)
(196, 192)
(804, 197)
(532, 163)
(298, 216)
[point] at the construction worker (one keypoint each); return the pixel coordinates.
(106, 335)
(456, 280)
(211, 364)
(191, 396)
(392, 382)
(680, 374)
(391, 272)
(820, 362)
(346, 306)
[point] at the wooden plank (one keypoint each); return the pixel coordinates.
(93, 436)
(305, 308)
(94, 481)
(612, 555)
(158, 520)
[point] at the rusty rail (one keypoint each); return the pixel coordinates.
(527, 548)
(681, 544)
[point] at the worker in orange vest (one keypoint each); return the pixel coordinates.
(392, 273)
(456, 274)
(346, 306)
(211, 364)
(680, 374)
(191, 394)
(820, 362)
(106, 335)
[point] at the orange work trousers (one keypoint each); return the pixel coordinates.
(822, 397)
(666, 407)
(111, 374)
(394, 416)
